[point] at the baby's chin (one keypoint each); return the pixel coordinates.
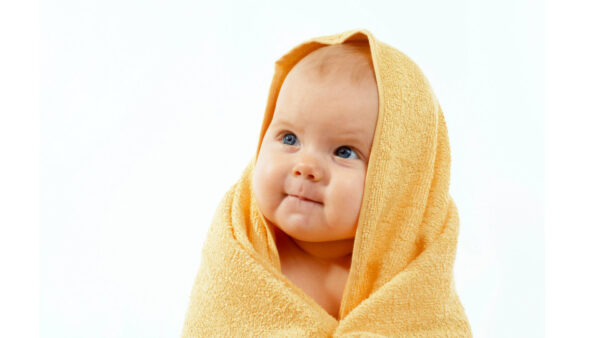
(308, 229)
(300, 232)
(311, 236)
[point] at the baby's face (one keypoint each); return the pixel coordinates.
(310, 173)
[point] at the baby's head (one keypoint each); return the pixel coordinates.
(310, 172)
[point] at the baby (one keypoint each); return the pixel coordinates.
(310, 171)
(342, 223)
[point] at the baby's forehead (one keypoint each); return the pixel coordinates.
(333, 105)
(350, 60)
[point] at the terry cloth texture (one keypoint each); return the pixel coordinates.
(400, 281)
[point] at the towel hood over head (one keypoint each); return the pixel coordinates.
(401, 277)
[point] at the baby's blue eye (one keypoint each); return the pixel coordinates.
(345, 152)
(289, 139)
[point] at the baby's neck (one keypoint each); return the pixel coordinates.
(336, 252)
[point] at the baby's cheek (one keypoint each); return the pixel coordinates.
(267, 184)
(267, 162)
(349, 197)
(258, 181)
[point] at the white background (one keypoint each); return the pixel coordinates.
(148, 112)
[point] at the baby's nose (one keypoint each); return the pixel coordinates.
(308, 170)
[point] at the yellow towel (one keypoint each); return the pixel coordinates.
(401, 279)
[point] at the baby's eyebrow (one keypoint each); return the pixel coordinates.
(278, 122)
(355, 138)
(283, 123)
(352, 135)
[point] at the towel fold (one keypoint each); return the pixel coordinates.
(400, 281)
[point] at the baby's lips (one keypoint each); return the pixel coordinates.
(305, 198)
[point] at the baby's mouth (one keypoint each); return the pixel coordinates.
(304, 198)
